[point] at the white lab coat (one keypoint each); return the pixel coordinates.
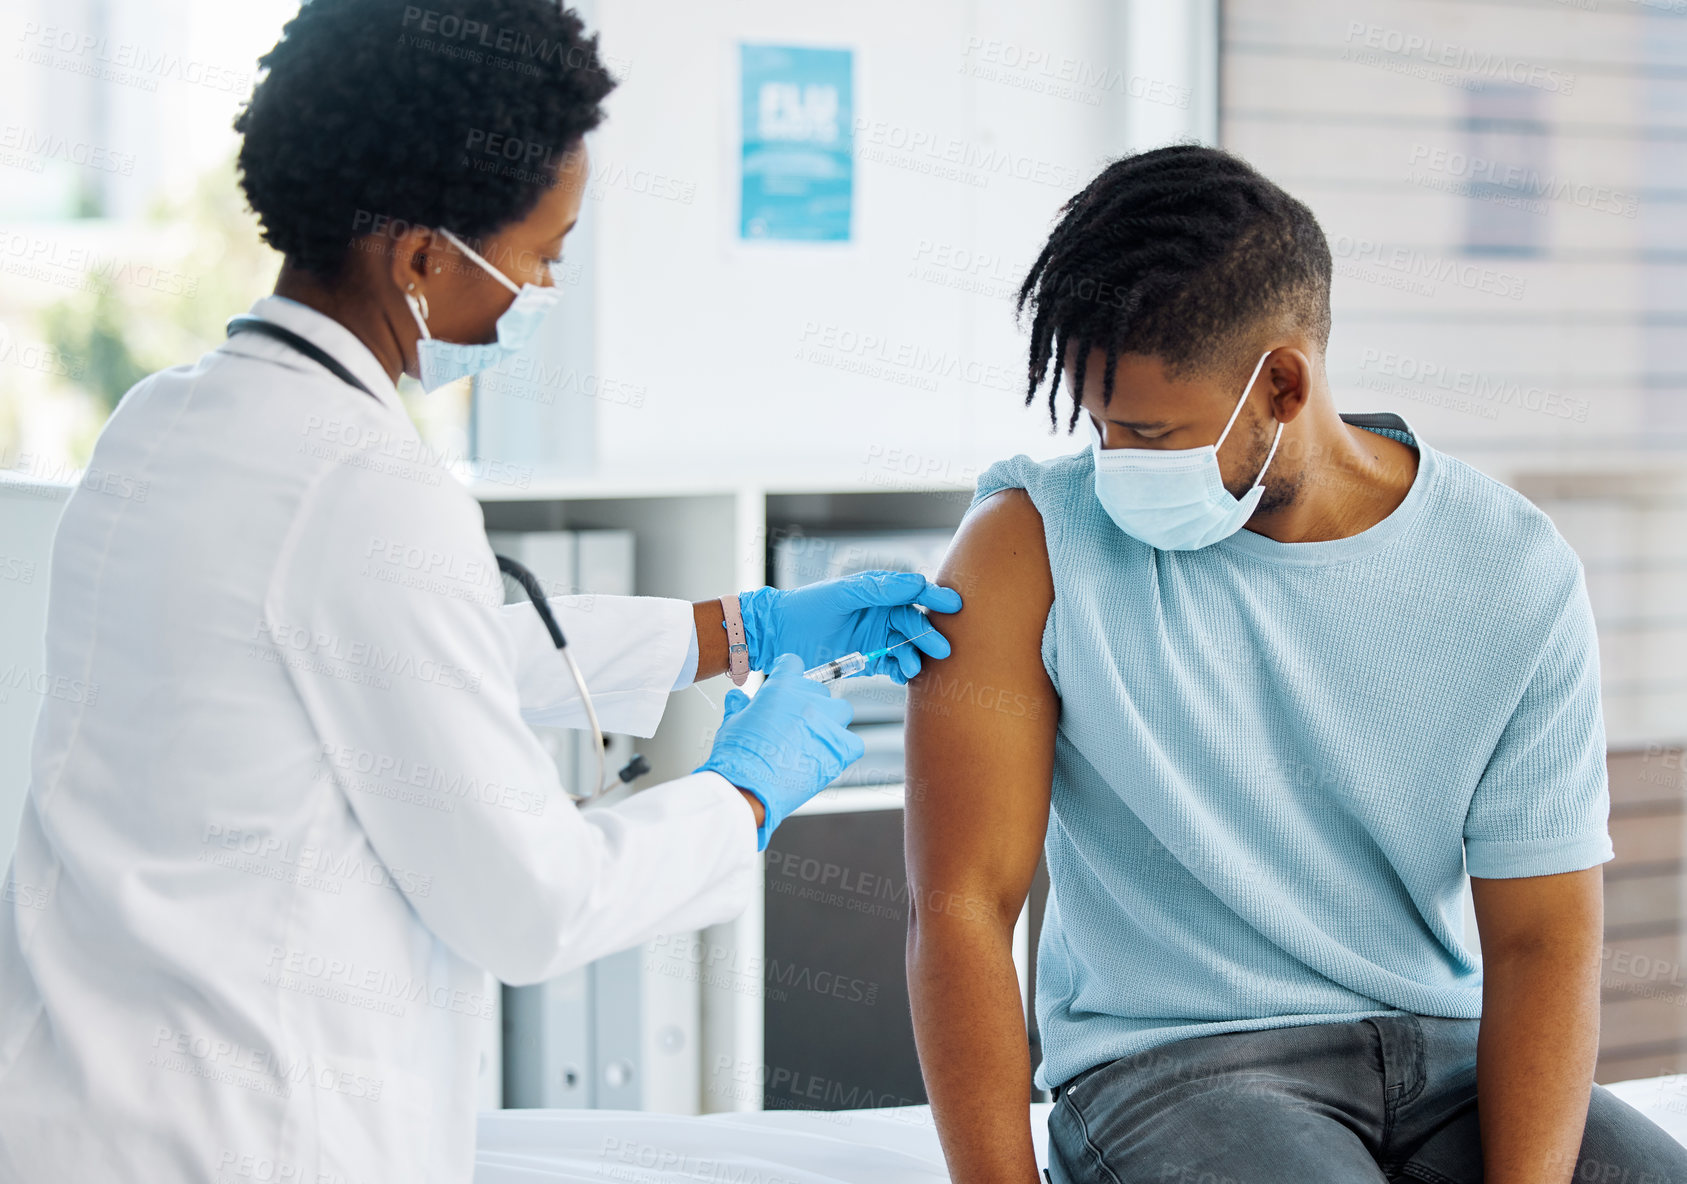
(284, 805)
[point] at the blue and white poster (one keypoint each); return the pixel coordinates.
(798, 163)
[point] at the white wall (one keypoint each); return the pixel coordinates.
(755, 342)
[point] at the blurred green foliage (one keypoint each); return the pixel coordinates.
(163, 301)
(90, 329)
(210, 265)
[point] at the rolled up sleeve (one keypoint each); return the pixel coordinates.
(631, 651)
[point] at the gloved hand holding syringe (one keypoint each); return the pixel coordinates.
(867, 613)
(791, 742)
(852, 664)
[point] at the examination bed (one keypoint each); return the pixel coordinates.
(893, 1146)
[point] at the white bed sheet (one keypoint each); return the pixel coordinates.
(892, 1146)
(889, 1146)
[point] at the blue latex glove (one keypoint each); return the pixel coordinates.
(786, 744)
(863, 612)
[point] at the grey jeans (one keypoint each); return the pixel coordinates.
(1358, 1102)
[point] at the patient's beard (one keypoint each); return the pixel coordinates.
(1282, 485)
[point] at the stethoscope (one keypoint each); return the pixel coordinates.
(516, 571)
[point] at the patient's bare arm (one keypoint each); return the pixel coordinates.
(981, 728)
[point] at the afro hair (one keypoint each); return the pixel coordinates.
(373, 112)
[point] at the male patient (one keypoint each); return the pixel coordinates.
(1269, 703)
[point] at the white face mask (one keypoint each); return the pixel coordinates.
(439, 362)
(1175, 499)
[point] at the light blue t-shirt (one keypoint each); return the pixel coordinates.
(1276, 761)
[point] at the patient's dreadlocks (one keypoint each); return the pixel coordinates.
(1176, 254)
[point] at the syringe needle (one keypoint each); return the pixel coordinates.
(900, 644)
(855, 663)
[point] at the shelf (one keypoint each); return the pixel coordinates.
(708, 484)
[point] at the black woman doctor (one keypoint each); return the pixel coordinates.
(305, 807)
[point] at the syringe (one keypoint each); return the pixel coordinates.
(855, 663)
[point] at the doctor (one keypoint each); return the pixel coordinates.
(290, 807)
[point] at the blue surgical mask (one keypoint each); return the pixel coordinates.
(1175, 499)
(439, 362)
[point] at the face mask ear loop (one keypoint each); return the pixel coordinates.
(1268, 456)
(418, 309)
(1257, 367)
(496, 274)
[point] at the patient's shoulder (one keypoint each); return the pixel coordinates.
(999, 560)
(1006, 518)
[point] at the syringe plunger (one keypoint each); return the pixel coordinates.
(838, 668)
